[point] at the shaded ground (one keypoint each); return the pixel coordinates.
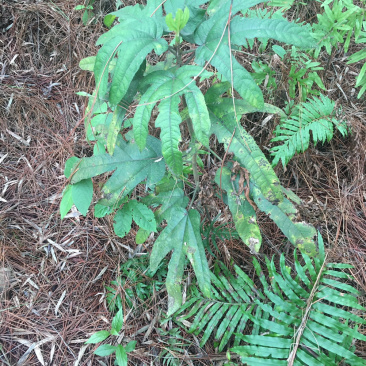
(52, 273)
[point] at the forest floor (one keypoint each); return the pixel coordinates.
(53, 273)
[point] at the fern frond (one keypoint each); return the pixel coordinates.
(232, 300)
(317, 116)
(308, 316)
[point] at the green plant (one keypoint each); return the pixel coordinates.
(318, 116)
(338, 24)
(107, 349)
(357, 57)
(305, 315)
(303, 75)
(222, 232)
(173, 345)
(341, 22)
(136, 284)
(88, 11)
(263, 73)
(125, 82)
(300, 73)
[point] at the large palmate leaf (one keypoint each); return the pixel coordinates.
(182, 236)
(131, 167)
(167, 85)
(243, 213)
(214, 46)
(132, 44)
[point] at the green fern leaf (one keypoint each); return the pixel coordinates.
(131, 167)
(323, 334)
(230, 306)
(316, 116)
(289, 311)
(182, 235)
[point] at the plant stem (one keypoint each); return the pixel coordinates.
(329, 60)
(194, 157)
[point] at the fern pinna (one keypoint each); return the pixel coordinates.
(317, 116)
(308, 317)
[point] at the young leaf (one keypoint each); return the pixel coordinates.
(108, 20)
(121, 356)
(105, 350)
(142, 236)
(117, 321)
(98, 337)
(196, 15)
(130, 346)
(122, 221)
(142, 215)
(179, 22)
